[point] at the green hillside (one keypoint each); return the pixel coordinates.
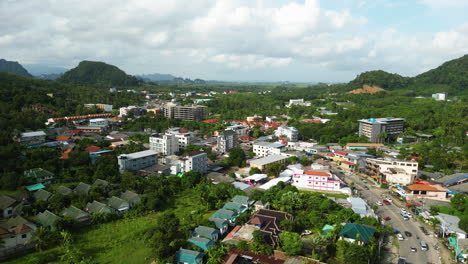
(13, 67)
(100, 74)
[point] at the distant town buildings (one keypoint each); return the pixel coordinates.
(103, 107)
(137, 160)
(186, 113)
(440, 96)
(136, 110)
(298, 102)
(98, 122)
(290, 133)
(240, 130)
(317, 180)
(254, 118)
(264, 148)
(167, 144)
(264, 162)
(32, 138)
(196, 161)
(375, 128)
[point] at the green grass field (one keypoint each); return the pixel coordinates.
(119, 241)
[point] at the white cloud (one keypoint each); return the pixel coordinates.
(235, 37)
(436, 4)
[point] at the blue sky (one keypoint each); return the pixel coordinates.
(245, 40)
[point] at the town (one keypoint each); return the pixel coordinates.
(234, 191)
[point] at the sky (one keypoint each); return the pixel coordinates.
(238, 40)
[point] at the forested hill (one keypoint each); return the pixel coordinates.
(100, 74)
(13, 67)
(452, 77)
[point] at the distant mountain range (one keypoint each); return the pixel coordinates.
(100, 74)
(44, 69)
(156, 77)
(13, 67)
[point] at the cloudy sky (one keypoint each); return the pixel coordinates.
(268, 40)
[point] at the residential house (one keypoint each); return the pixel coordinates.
(32, 138)
(47, 219)
(64, 139)
(236, 255)
(186, 256)
(221, 224)
(226, 215)
(42, 195)
(196, 160)
(75, 213)
(422, 190)
(91, 149)
(137, 160)
(131, 197)
(119, 205)
(82, 188)
(100, 183)
(298, 102)
(9, 206)
(241, 130)
(271, 119)
(40, 175)
(243, 200)
(239, 208)
(35, 187)
(352, 232)
(264, 162)
(16, 231)
(201, 242)
(206, 232)
(317, 180)
(449, 225)
(97, 207)
(269, 223)
(261, 205)
(63, 190)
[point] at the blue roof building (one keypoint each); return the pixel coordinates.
(201, 242)
(189, 256)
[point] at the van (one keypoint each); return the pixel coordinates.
(423, 245)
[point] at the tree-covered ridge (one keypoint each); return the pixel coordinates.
(453, 73)
(98, 73)
(451, 77)
(382, 79)
(13, 67)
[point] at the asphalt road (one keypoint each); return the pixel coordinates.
(376, 194)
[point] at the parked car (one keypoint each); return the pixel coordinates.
(424, 246)
(365, 187)
(400, 236)
(389, 199)
(403, 210)
(378, 203)
(386, 218)
(408, 214)
(364, 181)
(413, 249)
(386, 202)
(408, 234)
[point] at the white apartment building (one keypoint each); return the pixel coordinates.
(298, 102)
(227, 140)
(373, 127)
(166, 145)
(196, 161)
(301, 146)
(317, 180)
(271, 119)
(123, 111)
(239, 129)
(393, 171)
(440, 96)
(263, 148)
(137, 160)
(290, 132)
(183, 138)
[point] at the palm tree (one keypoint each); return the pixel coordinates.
(41, 238)
(318, 242)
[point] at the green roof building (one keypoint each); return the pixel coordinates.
(206, 232)
(221, 224)
(119, 205)
(201, 242)
(226, 215)
(239, 208)
(82, 188)
(75, 213)
(189, 256)
(47, 219)
(352, 232)
(63, 190)
(35, 187)
(97, 207)
(244, 200)
(326, 230)
(40, 175)
(131, 197)
(42, 195)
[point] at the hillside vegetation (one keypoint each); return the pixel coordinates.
(100, 74)
(13, 67)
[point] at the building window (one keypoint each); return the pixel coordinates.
(24, 235)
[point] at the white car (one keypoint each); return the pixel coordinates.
(403, 210)
(400, 237)
(408, 214)
(378, 203)
(389, 199)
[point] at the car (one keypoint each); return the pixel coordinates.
(386, 218)
(389, 199)
(378, 203)
(400, 237)
(364, 181)
(408, 234)
(386, 202)
(365, 187)
(403, 210)
(306, 233)
(413, 249)
(409, 214)
(406, 218)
